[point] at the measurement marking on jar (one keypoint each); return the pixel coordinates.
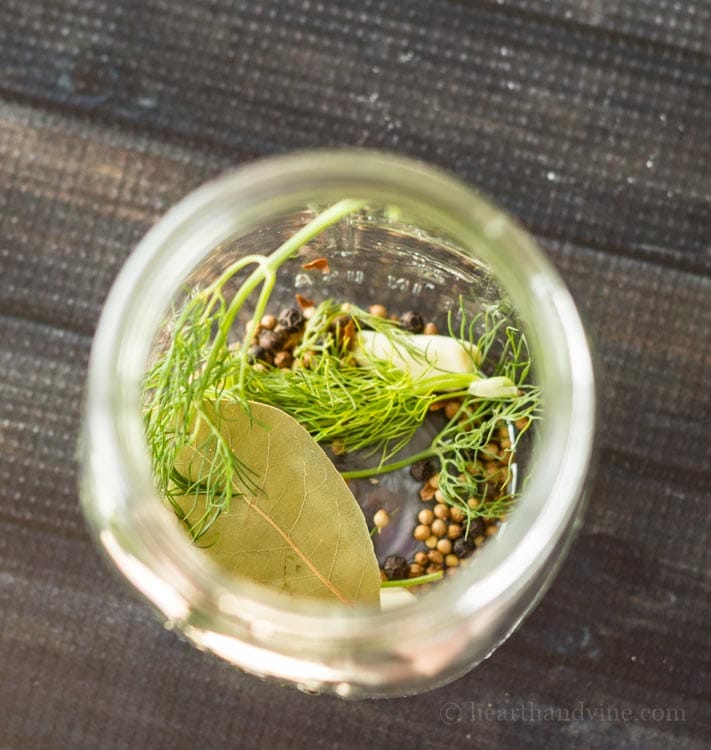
(415, 287)
(355, 276)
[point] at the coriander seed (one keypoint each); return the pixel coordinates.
(451, 408)
(421, 533)
(456, 514)
(454, 531)
(441, 511)
(283, 359)
(421, 558)
(444, 546)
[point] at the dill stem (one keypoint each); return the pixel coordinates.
(393, 466)
(267, 268)
(215, 289)
(260, 308)
(445, 383)
(405, 583)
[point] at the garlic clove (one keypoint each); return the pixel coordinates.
(420, 354)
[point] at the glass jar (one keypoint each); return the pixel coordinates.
(428, 237)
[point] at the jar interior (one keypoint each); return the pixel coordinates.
(386, 257)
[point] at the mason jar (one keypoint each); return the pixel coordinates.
(426, 239)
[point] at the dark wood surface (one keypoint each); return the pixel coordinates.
(590, 120)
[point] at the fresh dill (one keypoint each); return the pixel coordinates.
(379, 408)
(345, 398)
(197, 362)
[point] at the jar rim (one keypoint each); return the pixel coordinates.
(184, 236)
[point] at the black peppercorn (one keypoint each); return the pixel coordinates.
(421, 471)
(492, 491)
(463, 547)
(395, 567)
(477, 527)
(257, 354)
(272, 341)
(291, 319)
(412, 321)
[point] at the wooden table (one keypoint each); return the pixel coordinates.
(590, 120)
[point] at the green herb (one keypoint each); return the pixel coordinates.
(379, 407)
(359, 383)
(198, 361)
(406, 583)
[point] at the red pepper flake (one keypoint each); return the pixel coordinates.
(303, 302)
(318, 264)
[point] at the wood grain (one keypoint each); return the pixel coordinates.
(587, 119)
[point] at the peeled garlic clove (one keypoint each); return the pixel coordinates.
(497, 387)
(419, 354)
(394, 597)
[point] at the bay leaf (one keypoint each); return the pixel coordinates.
(298, 528)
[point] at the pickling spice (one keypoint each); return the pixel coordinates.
(359, 383)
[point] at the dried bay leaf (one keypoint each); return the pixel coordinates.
(302, 531)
